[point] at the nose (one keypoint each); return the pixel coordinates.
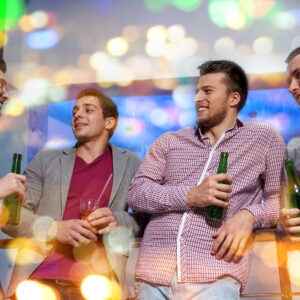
(4, 94)
(294, 85)
(198, 97)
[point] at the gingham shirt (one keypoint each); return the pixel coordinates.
(179, 236)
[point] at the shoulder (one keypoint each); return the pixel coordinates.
(50, 154)
(261, 129)
(125, 152)
(186, 132)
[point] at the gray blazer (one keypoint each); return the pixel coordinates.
(49, 175)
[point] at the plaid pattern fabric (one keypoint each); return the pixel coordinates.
(179, 236)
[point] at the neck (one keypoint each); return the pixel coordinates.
(90, 150)
(215, 132)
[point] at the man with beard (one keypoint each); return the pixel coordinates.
(290, 219)
(184, 253)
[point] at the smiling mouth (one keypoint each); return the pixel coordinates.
(202, 108)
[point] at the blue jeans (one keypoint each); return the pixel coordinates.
(226, 288)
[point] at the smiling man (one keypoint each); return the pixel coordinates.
(184, 253)
(58, 179)
(289, 217)
(11, 183)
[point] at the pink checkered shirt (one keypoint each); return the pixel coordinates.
(179, 236)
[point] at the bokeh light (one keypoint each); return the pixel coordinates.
(218, 10)
(86, 253)
(187, 5)
(263, 45)
(183, 96)
(284, 20)
(175, 33)
(43, 39)
(294, 266)
(40, 228)
(96, 287)
(131, 33)
(235, 20)
(159, 117)
(10, 12)
(3, 39)
(29, 251)
(155, 48)
(257, 8)
(224, 46)
(39, 19)
(117, 46)
(117, 240)
(33, 290)
(25, 23)
(14, 107)
(157, 32)
(155, 5)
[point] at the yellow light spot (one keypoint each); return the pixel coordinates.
(158, 32)
(3, 215)
(62, 77)
(14, 107)
(28, 251)
(96, 287)
(98, 59)
(32, 290)
(294, 266)
(25, 23)
(29, 289)
(175, 33)
(131, 33)
(3, 39)
(263, 45)
(155, 48)
(86, 253)
(235, 20)
(117, 46)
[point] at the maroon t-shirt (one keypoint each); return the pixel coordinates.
(88, 180)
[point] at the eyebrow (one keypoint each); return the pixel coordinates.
(289, 78)
(85, 104)
(3, 82)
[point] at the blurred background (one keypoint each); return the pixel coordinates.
(142, 53)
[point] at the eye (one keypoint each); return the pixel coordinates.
(298, 76)
(208, 91)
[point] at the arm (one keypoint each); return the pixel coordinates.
(235, 235)
(148, 191)
(266, 213)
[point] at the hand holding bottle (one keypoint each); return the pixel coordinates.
(13, 184)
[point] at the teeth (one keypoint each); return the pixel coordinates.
(202, 108)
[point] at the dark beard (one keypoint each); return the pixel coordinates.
(217, 119)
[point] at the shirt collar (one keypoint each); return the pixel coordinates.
(238, 123)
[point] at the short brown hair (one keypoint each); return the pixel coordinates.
(236, 78)
(2, 65)
(108, 106)
(292, 54)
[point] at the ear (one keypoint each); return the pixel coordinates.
(110, 123)
(235, 99)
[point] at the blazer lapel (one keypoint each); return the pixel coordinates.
(67, 164)
(120, 161)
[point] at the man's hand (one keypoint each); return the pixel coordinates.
(103, 219)
(233, 236)
(289, 221)
(209, 190)
(13, 184)
(74, 232)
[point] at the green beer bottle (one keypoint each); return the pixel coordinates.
(293, 185)
(214, 211)
(14, 206)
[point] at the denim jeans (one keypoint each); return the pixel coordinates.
(226, 288)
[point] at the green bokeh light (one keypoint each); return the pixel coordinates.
(218, 10)
(156, 5)
(186, 5)
(257, 8)
(10, 12)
